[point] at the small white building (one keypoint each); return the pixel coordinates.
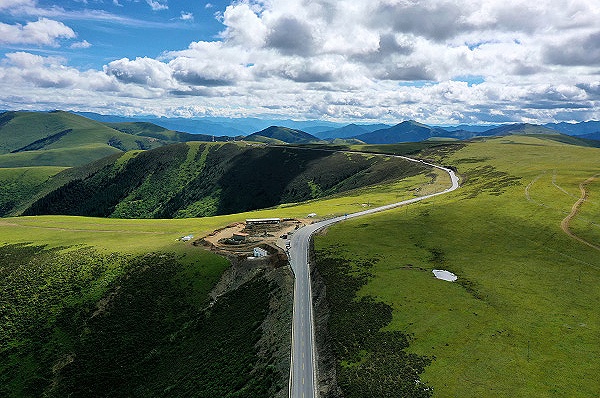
(260, 252)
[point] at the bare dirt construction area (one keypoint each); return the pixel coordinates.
(240, 239)
(238, 242)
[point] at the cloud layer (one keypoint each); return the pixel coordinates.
(433, 60)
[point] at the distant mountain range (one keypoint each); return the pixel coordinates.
(409, 131)
(329, 130)
(580, 129)
(66, 139)
(591, 136)
(218, 125)
(350, 130)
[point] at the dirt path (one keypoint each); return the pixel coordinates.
(528, 191)
(564, 225)
(558, 186)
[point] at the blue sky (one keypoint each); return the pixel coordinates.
(124, 28)
(436, 61)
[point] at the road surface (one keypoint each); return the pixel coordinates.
(303, 377)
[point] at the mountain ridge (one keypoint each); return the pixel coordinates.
(282, 134)
(206, 179)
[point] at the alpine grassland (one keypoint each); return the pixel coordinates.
(95, 306)
(522, 318)
(61, 139)
(19, 184)
(108, 307)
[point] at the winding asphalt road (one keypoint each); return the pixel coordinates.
(303, 372)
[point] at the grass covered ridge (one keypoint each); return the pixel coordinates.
(61, 139)
(521, 320)
(20, 184)
(207, 179)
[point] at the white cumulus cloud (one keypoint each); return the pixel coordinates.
(186, 16)
(158, 5)
(143, 71)
(42, 32)
(81, 44)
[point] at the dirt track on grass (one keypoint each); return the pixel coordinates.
(564, 225)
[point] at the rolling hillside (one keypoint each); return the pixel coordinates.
(146, 129)
(64, 139)
(41, 139)
(521, 319)
(18, 185)
(60, 139)
(206, 179)
(278, 134)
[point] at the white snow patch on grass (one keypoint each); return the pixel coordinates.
(444, 275)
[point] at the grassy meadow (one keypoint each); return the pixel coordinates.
(84, 295)
(143, 235)
(522, 318)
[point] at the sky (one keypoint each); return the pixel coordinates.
(435, 61)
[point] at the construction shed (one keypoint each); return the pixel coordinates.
(262, 221)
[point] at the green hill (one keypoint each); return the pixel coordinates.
(282, 134)
(408, 131)
(146, 129)
(119, 308)
(21, 184)
(60, 139)
(205, 179)
(521, 129)
(521, 319)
